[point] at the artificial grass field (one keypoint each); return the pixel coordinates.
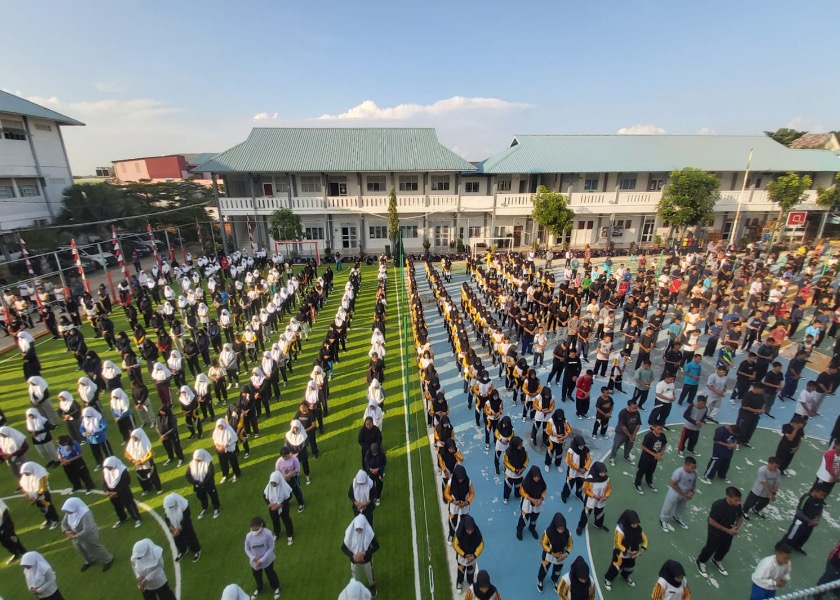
(314, 567)
(755, 540)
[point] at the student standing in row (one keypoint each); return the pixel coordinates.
(40, 577)
(9, 538)
(78, 525)
(807, 517)
(259, 547)
(772, 573)
(653, 449)
(681, 489)
(147, 564)
(671, 584)
(360, 543)
(483, 589)
(764, 488)
(200, 474)
(176, 511)
(629, 423)
(577, 583)
(630, 542)
(596, 491)
(556, 545)
(723, 524)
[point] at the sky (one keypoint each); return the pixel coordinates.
(153, 77)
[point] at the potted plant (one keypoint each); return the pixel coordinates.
(426, 244)
(460, 246)
(657, 242)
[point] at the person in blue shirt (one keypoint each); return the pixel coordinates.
(723, 447)
(70, 457)
(691, 379)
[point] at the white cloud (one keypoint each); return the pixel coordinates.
(806, 124)
(107, 87)
(706, 131)
(264, 116)
(371, 110)
(641, 129)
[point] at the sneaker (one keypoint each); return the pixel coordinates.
(300, 508)
(53, 525)
(519, 534)
(137, 523)
(680, 522)
(277, 594)
(486, 446)
(639, 489)
(11, 559)
(727, 480)
(167, 461)
(196, 556)
(745, 516)
(247, 454)
(459, 587)
(255, 595)
(107, 566)
(234, 479)
(720, 567)
(180, 556)
(85, 567)
(746, 445)
(664, 526)
(702, 568)
(630, 582)
(603, 528)
(706, 480)
(608, 585)
(631, 460)
(697, 454)
(117, 524)
(308, 480)
(612, 462)
(378, 501)
(180, 462)
(202, 513)
(681, 454)
(540, 587)
(653, 488)
(758, 514)
(216, 514)
(290, 540)
(505, 501)
(223, 479)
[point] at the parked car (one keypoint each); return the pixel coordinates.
(104, 259)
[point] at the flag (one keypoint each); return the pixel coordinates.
(25, 254)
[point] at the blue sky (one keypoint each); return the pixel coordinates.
(165, 77)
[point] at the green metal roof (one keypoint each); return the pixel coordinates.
(199, 159)
(9, 103)
(336, 149)
(652, 153)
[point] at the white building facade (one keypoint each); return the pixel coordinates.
(613, 183)
(34, 169)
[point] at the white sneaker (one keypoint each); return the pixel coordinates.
(167, 461)
(223, 479)
(180, 462)
(202, 513)
(612, 462)
(233, 479)
(547, 469)
(290, 540)
(664, 526)
(216, 514)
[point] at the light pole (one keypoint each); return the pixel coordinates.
(734, 231)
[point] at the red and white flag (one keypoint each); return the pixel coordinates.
(250, 232)
(78, 262)
(154, 243)
(25, 253)
(118, 253)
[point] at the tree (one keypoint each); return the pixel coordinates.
(552, 212)
(787, 191)
(690, 198)
(285, 225)
(830, 197)
(99, 202)
(393, 221)
(785, 135)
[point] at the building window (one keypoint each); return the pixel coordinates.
(648, 229)
(28, 190)
(238, 189)
(628, 181)
(586, 224)
(590, 185)
(440, 183)
(13, 129)
(375, 183)
(7, 190)
(408, 183)
(756, 182)
(314, 233)
(475, 231)
(282, 184)
(441, 235)
(348, 237)
(40, 127)
(408, 231)
(103, 172)
(654, 185)
(310, 184)
(503, 184)
(472, 187)
(137, 167)
(378, 232)
(268, 189)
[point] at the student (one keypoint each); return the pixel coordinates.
(532, 493)
(139, 452)
(582, 387)
(78, 525)
(832, 570)
(166, 425)
(557, 429)
(603, 412)
(828, 473)
(468, 545)
(289, 466)
(681, 489)
(296, 442)
(362, 495)
(771, 573)
(752, 407)
(34, 483)
(629, 423)
(556, 545)
(200, 475)
(716, 384)
(276, 495)
(723, 524)
(352, 591)
(596, 491)
(458, 494)
(764, 488)
(653, 449)
(577, 583)
(147, 564)
(504, 435)
(360, 543)
(643, 379)
(42, 440)
(482, 589)
(807, 517)
(671, 584)
(806, 405)
(723, 447)
(664, 399)
(9, 538)
(792, 434)
(691, 379)
(515, 460)
(40, 577)
(94, 429)
(225, 441)
(578, 461)
(176, 511)
(117, 486)
(772, 384)
(693, 419)
(259, 548)
(69, 455)
(630, 542)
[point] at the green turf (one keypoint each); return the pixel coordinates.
(314, 567)
(754, 542)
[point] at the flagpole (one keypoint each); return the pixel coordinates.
(740, 199)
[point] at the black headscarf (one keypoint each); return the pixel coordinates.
(505, 427)
(459, 485)
(444, 428)
(558, 418)
(532, 382)
(468, 542)
(546, 396)
(579, 590)
(516, 453)
(595, 473)
(482, 580)
(534, 489)
(579, 448)
(632, 535)
(559, 540)
(670, 570)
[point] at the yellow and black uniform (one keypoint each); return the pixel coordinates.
(482, 388)
(438, 407)
(532, 493)
(630, 542)
(503, 435)
(443, 431)
(459, 494)
(543, 407)
(671, 584)
(556, 545)
(482, 589)
(577, 584)
(468, 545)
(493, 409)
(596, 490)
(515, 459)
(557, 429)
(578, 461)
(448, 457)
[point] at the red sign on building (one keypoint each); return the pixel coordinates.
(797, 219)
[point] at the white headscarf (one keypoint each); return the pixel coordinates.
(35, 422)
(227, 356)
(87, 389)
(75, 510)
(25, 341)
(11, 440)
(185, 395)
(362, 485)
(31, 474)
(355, 590)
(234, 592)
(160, 373)
(200, 464)
(91, 419)
(65, 400)
(202, 384)
(37, 387)
(299, 438)
(311, 395)
(373, 411)
(112, 470)
(224, 434)
(175, 362)
(277, 491)
(375, 391)
(257, 377)
(36, 574)
(145, 555)
(119, 402)
(358, 535)
(174, 506)
(110, 370)
(139, 445)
